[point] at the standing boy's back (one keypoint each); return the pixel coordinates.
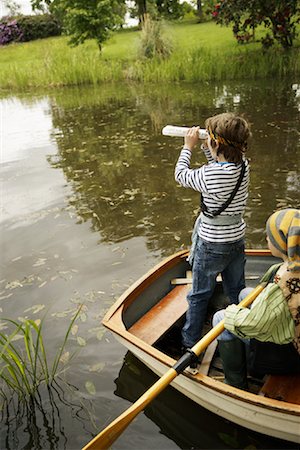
(218, 238)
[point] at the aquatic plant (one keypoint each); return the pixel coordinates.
(24, 364)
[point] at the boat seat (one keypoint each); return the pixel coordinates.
(160, 318)
(282, 387)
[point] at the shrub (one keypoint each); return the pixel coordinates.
(38, 27)
(153, 41)
(28, 28)
(10, 31)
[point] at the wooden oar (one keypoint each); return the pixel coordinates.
(106, 437)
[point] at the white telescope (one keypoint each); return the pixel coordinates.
(170, 130)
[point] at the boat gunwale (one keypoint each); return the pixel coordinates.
(113, 321)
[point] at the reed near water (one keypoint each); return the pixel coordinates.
(24, 364)
(200, 52)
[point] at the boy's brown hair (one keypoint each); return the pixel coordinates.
(231, 132)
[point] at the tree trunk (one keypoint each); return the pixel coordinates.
(199, 11)
(142, 10)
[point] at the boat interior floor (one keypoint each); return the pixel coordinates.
(170, 344)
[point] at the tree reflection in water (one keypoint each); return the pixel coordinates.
(111, 150)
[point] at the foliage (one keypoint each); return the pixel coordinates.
(278, 16)
(28, 28)
(84, 20)
(10, 31)
(166, 9)
(13, 7)
(39, 27)
(170, 9)
(196, 48)
(24, 367)
(154, 43)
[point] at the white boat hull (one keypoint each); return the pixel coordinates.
(257, 417)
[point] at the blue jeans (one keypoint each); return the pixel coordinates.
(211, 259)
(220, 315)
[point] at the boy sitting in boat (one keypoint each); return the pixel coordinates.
(271, 327)
(218, 237)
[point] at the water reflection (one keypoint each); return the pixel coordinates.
(112, 152)
(46, 420)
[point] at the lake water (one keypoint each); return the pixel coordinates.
(88, 205)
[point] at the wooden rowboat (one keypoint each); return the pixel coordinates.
(147, 319)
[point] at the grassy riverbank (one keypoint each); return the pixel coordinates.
(201, 52)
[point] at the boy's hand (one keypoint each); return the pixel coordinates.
(191, 138)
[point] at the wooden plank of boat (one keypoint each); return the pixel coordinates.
(156, 322)
(269, 416)
(189, 279)
(282, 387)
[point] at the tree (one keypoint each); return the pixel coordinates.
(82, 20)
(13, 7)
(278, 16)
(167, 9)
(199, 10)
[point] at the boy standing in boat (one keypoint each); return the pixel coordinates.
(218, 236)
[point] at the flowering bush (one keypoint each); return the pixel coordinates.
(27, 28)
(279, 16)
(9, 31)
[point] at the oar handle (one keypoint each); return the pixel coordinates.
(106, 437)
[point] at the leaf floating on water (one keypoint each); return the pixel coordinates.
(3, 297)
(35, 309)
(83, 317)
(177, 238)
(74, 329)
(97, 367)
(81, 341)
(100, 334)
(40, 262)
(16, 259)
(90, 387)
(13, 284)
(3, 325)
(62, 313)
(65, 357)
(17, 337)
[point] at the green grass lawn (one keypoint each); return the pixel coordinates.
(200, 52)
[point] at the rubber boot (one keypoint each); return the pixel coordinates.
(233, 355)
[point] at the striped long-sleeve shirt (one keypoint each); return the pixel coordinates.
(268, 320)
(216, 181)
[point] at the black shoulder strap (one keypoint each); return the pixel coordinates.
(228, 201)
